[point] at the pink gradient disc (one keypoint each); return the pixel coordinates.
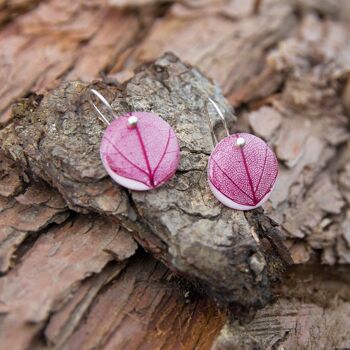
(142, 157)
(242, 177)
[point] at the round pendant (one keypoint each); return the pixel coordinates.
(242, 171)
(140, 151)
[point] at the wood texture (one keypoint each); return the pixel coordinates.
(180, 223)
(311, 312)
(282, 65)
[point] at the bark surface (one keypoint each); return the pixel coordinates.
(57, 139)
(72, 273)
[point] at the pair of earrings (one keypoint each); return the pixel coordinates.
(140, 151)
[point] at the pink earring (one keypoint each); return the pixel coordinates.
(242, 169)
(139, 150)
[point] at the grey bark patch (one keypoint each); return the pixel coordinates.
(181, 223)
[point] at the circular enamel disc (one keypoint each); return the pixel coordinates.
(242, 171)
(140, 151)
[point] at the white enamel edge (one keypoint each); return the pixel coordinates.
(124, 181)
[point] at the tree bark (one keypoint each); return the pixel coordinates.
(73, 275)
(181, 223)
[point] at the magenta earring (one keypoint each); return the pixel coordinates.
(139, 150)
(242, 169)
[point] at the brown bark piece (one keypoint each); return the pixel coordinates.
(322, 199)
(10, 9)
(54, 30)
(331, 8)
(10, 239)
(230, 53)
(66, 320)
(101, 51)
(31, 216)
(25, 214)
(344, 181)
(314, 313)
(50, 271)
(10, 181)
(181, 223)
(134, 3)
(284, 66)
(308, 200)
(290, 325)
(265, 122)
(143, 302)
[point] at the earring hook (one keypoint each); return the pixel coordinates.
(93, 92)
(221, 116)
(211, 127)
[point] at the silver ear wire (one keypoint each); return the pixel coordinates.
(93, 93)
(220, 114)
(215, 140)
(211, 127)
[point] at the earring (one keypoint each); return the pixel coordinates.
(242, 169)
(139, 150)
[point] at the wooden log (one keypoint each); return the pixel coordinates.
(181, 223)
(284, 66)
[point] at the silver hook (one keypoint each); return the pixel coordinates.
(211, 124)
(211, 127)
(93, 92)
(220, 114)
